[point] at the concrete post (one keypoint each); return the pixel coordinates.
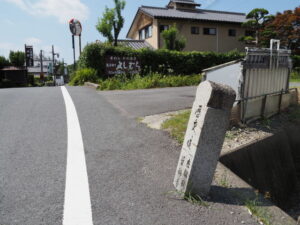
(204, 138)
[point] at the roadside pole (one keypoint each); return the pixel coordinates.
(76, 29)
(53, 75)
(73, 43)
(26, 67)
(42, 67)
(80, 44)
(41, 59)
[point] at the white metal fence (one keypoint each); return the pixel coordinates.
(261, 81)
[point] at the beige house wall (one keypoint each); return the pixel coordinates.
(153, 41)
(141, 23)
(221, 42)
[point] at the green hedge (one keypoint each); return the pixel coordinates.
(155, 61)
(296, 61)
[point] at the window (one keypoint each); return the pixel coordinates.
(163, 27)
(232, 32)
(145, 32)
(148, 32)
(195, 30)
(209, 31)
(142, 34)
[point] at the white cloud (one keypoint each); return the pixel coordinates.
(6, 47)
(33, 41)
(63, 10)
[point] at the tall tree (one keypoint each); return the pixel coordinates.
(257, 19)
(285, 27)
(3, 62)
(17, 58)
(112, 22)
(172, 40)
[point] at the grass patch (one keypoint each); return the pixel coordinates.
(295, 76)
(190, 197)
(177, 125)
(195, 199)
(123, 82)
(223, 182)
(257, 210)
(294, 113)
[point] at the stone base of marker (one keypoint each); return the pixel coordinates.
(204, 138)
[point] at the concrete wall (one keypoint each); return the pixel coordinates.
(269, 165)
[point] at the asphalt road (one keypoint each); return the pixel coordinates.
(130, 167)
(137, 103)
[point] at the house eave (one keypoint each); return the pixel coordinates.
(140, 10)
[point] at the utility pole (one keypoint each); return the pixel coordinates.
(53, 66)
(41, 60)
(53, 62)
(42, 67)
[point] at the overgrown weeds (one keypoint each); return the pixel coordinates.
(190, 197)
(123, 82)
(257, 210)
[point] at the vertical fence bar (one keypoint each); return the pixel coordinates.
(263, 106)
(280, 101)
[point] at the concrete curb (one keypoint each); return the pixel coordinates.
(92, 85)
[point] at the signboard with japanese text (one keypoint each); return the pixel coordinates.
(122, 65)
(29, 56)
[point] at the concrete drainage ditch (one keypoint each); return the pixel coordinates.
(272, 166)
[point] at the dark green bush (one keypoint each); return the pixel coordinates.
(296, 61)
(84, 75)
(155, 61)
(5, 83)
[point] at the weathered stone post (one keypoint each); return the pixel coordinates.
(204, 138)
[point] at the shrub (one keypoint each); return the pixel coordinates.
(5, 83)
(123, 82)
(161, 61)
(84, 75)
(49, 83)
(296, 61)
(172, 41)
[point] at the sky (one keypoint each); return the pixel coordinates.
(43, 23)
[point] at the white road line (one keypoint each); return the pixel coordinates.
(77, 206)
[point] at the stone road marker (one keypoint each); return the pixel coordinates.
(204, 138)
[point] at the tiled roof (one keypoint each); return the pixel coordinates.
(198, 14)
(190, 2)
(135, 44)
(12, 68)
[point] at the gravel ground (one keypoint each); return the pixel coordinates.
(238, 136)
